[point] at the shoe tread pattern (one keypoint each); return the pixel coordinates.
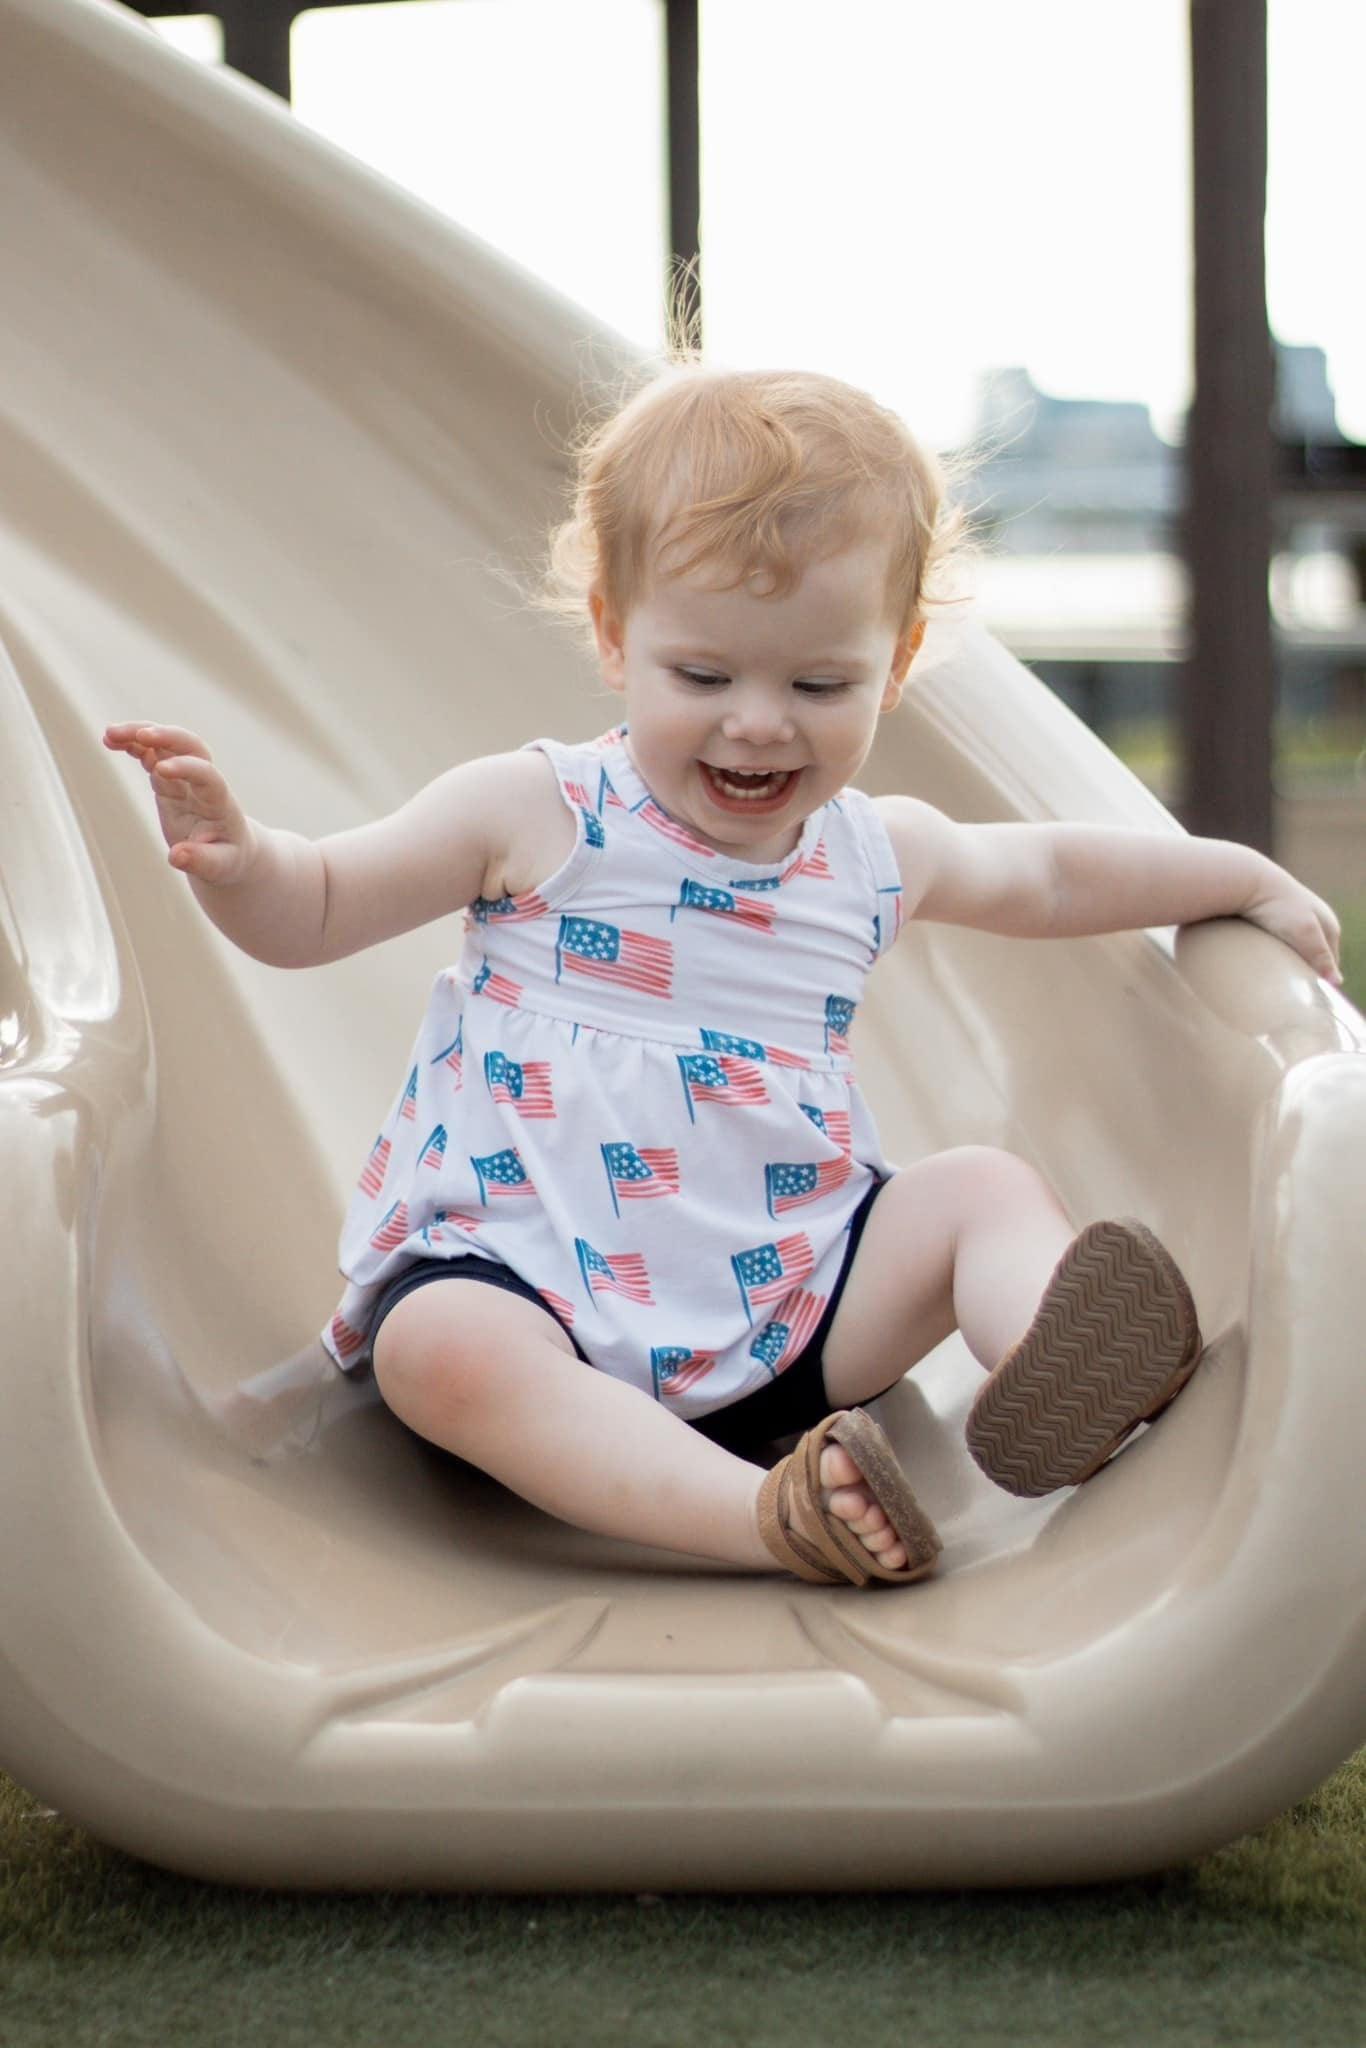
(1115, 1339)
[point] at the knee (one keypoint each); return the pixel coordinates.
(418, 1367)
(989, 1174)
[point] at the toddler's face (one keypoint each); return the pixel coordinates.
(727, 679)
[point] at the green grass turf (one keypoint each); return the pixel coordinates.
(1352, 913)
(1263, 1942)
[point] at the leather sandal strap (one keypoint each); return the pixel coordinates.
(790, 1546)
(814, 1543)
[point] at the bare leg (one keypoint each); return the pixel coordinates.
(491, 1377)
(964, 1240)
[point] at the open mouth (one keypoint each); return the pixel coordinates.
(741, 789)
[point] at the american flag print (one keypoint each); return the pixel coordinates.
(836, 1124)
(394, 1226)
(726, 1041)
(751, 1049)
(614, 1273)
(524, 1085)
(510, 909)
(788, 1187)
(577, 793)
(614, 1003)
(815, 865)
(607, 953)
(794, 1324)
(376, 1166)
(501, 1173)
(497, 987)
(839, 1017)
(675, 1369)
(347, 1341)
(453, 1056)
(436, 1232)
(558, 1305)
(632, 1173)
(768, 1271)
(712, 1077)
(658, 819)
(887, 918)
(753, 914)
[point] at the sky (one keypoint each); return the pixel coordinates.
(900, 192)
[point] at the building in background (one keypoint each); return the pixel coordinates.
(1078, 504)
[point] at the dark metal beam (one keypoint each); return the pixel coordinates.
(255, 34)
(684, 124)
(1228, 695)
(256, 43)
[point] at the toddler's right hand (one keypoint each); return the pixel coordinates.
(209, 835)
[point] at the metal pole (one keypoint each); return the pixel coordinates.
(256, 40)
(1228, 702)
(685, 186)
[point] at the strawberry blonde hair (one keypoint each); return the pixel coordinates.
(743, 474)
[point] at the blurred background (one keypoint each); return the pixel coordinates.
(987, 215)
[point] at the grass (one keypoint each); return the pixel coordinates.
(1352, 912)
(1263, 1942)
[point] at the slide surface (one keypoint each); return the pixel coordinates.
(269, 433)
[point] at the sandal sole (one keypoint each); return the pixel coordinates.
(1114, 1341)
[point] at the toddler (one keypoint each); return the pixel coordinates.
(630, 1113)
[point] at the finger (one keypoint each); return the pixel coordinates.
(207, 860)
(171, 736)
(126, 739)
(189, 780)
(190, 768)
(173, 739)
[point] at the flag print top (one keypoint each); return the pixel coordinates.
(635, 1090)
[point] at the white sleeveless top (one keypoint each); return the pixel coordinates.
(635, 1090)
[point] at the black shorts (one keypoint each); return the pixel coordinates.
(782, 1407)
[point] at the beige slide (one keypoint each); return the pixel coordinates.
(271, 433)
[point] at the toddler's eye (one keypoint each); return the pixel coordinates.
(692, 675)
(823, 689)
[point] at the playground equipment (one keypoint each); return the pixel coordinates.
(268, 429)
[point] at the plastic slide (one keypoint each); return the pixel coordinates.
(268, 429)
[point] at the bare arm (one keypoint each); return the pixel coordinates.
(996, 878)
(1107, 879)
(1058, 881)
(297, 902)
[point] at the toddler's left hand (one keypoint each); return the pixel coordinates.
(1289, 911)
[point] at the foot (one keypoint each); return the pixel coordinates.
(1114, 1340)
(846, 1496)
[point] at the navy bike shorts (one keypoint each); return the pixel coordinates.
(795, 1401)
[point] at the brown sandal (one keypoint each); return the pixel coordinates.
(802, 1533)
(1112, 1343)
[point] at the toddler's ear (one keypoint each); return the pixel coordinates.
(907, 648)
(608, 633)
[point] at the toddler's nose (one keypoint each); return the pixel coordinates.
(757, 724)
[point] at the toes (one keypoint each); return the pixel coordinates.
(855, 1506)
(837, 1467)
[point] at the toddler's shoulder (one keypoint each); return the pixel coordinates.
(919, 836)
